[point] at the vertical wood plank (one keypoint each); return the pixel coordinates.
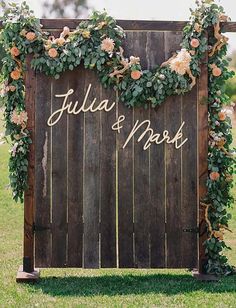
(108, 182)
(125, 183)
(141, 169)
(43, 170)
(202, 160)
(59, 177)
(173, 166)
(91, 176)
(29, 196)
(157, 164)
(75, 171)
(189, 190)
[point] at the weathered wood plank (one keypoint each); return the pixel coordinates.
(75, 171)
(202, 160)
(59, 177)
(125, 191)
(125, 184)
(108, 182)
(154, 25)
(189, 190)
(43, 249)
(173, 167)
(29, 196)
(91, 176)
(157, 165)
(141, 168)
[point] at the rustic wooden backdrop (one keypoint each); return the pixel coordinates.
(98, 205)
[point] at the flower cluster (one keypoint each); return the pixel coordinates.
(96, 43)
(181, 63)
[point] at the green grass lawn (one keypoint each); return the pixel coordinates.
(98, 288)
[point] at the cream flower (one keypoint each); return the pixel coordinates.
(108, 44)
(181, 63)
(134, 60)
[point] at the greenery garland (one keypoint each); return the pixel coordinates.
(97, 43)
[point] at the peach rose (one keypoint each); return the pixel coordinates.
(108, 44)
(214, 176)
(216, 71)
(30, 36)
(194, 43)
(15, 75)
(221, 116)
(52, 53)
(136, 75)
(14, 51)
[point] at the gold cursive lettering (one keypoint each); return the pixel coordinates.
(155, 138)
(72, 108)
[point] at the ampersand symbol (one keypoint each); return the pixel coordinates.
(116, 125)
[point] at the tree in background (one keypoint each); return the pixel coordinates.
(231, 83)
(64, 8)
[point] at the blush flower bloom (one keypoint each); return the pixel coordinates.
(135, 75)
(15, 75)
(222, 116)
(108, 44)
(181, 63)
(214, 176)
(14, 51)
(52, 53)
(30, 36)
(194, 43)
(19, 118)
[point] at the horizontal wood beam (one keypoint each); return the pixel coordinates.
(151, 25)
(132, 24)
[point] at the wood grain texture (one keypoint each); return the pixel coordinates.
(108, 182)
(91, 195)
(59, 177)
(29, 196)
(202, 160)
(141, 168)
(157, 164)
(125, 191)
(126, 183)
(189, 188)
(173, 167)
(43, 249)
(59, 23)
(75, 171)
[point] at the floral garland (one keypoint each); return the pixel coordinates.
(97, 43)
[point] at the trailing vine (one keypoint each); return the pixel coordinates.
(97, 43)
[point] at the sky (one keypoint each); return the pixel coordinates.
(148, 9)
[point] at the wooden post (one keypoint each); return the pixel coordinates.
(27, 273)
(203, 155)
(200, 273)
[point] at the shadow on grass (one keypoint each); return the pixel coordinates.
(130, 284)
